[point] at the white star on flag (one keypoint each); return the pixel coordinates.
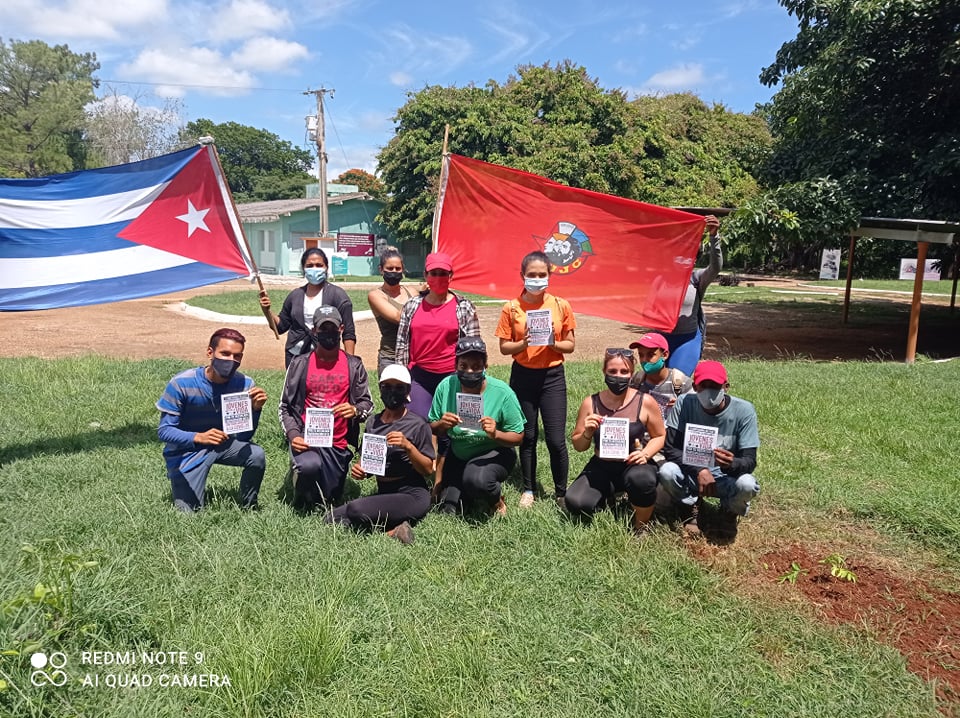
(194, 218)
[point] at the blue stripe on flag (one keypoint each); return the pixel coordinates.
(117, 289)
(31, 243)
(105, 180)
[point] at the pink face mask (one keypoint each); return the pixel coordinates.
(438, 285)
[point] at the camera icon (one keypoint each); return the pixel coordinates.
(48, 670)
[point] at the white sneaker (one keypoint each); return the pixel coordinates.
(526, 500)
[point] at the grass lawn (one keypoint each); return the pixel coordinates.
(527, 615)
(941, 288)
(245, 303)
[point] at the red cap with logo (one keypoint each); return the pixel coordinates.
(651, 340)
(710, 371)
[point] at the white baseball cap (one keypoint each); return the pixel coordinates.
(397, 372)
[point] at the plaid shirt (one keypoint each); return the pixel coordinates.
(466, 318)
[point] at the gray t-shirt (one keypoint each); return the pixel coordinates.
(676, 384)
(736, 425)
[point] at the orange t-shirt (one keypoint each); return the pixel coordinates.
(513, 325)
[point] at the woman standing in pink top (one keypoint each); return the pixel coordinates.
(430, 325)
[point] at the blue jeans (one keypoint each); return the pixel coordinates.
(188, 485)
(685, 351)
(734, 492)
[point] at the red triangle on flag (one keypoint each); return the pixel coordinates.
(189, 218)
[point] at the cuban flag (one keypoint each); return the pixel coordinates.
(115, 233)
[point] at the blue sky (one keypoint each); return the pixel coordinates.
(249, 61)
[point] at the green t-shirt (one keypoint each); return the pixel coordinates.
(499, 403)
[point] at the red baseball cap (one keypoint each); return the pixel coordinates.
(439, 260)
(710, 371)
(651, 340)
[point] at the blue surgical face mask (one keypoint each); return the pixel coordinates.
(315, 275)
(710, 399)
(650, 367)
(535, 285)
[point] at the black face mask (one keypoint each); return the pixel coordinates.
(471, 379)
(394, 397)
(392, 278)
(328, 340)
(617, 384)
(224, 368)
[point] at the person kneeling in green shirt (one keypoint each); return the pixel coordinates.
(482, 417)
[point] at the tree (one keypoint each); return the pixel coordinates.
(558, 122)
(870, 96)
(787, 227)
(121, 128)
(364, 181)
(43, 91)
(257, 163)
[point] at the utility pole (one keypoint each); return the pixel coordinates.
(321, 158)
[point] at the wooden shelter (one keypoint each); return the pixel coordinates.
(923, 232)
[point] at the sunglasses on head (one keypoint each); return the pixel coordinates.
(619, 352)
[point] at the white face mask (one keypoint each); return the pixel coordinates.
(710, 399)
(535, 285)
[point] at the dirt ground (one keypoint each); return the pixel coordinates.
(151, 327)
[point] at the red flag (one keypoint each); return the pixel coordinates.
(612, 257)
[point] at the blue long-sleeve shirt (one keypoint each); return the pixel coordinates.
(190, 405)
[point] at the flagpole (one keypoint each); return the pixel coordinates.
(440, 186)
(243, 235)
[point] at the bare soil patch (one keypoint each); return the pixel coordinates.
(920, 621)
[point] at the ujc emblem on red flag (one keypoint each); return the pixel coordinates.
(611, 257)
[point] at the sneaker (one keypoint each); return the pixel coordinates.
(690, 519)
(526, 500)
(183, 507)
(500, 508)
(402, 533)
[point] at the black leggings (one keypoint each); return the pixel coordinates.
(386, 509)
(600, 479)
(476, 478)
(542, 391)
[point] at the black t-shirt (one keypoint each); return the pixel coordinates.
(417, 431)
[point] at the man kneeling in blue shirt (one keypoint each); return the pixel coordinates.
(191, 425)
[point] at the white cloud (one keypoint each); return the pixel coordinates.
(687, 42)
(631, 33)
(246, 18)
(81, 19)
(401, 79)
(197, 66)
(520, 36)
(269, 54)
(686, 76)
(417, 53)
(360, 157)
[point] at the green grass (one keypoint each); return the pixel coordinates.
(246, 303)
(529, 615)
(890, 285)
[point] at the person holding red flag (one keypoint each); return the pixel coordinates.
(686, 339)
(537, 330)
